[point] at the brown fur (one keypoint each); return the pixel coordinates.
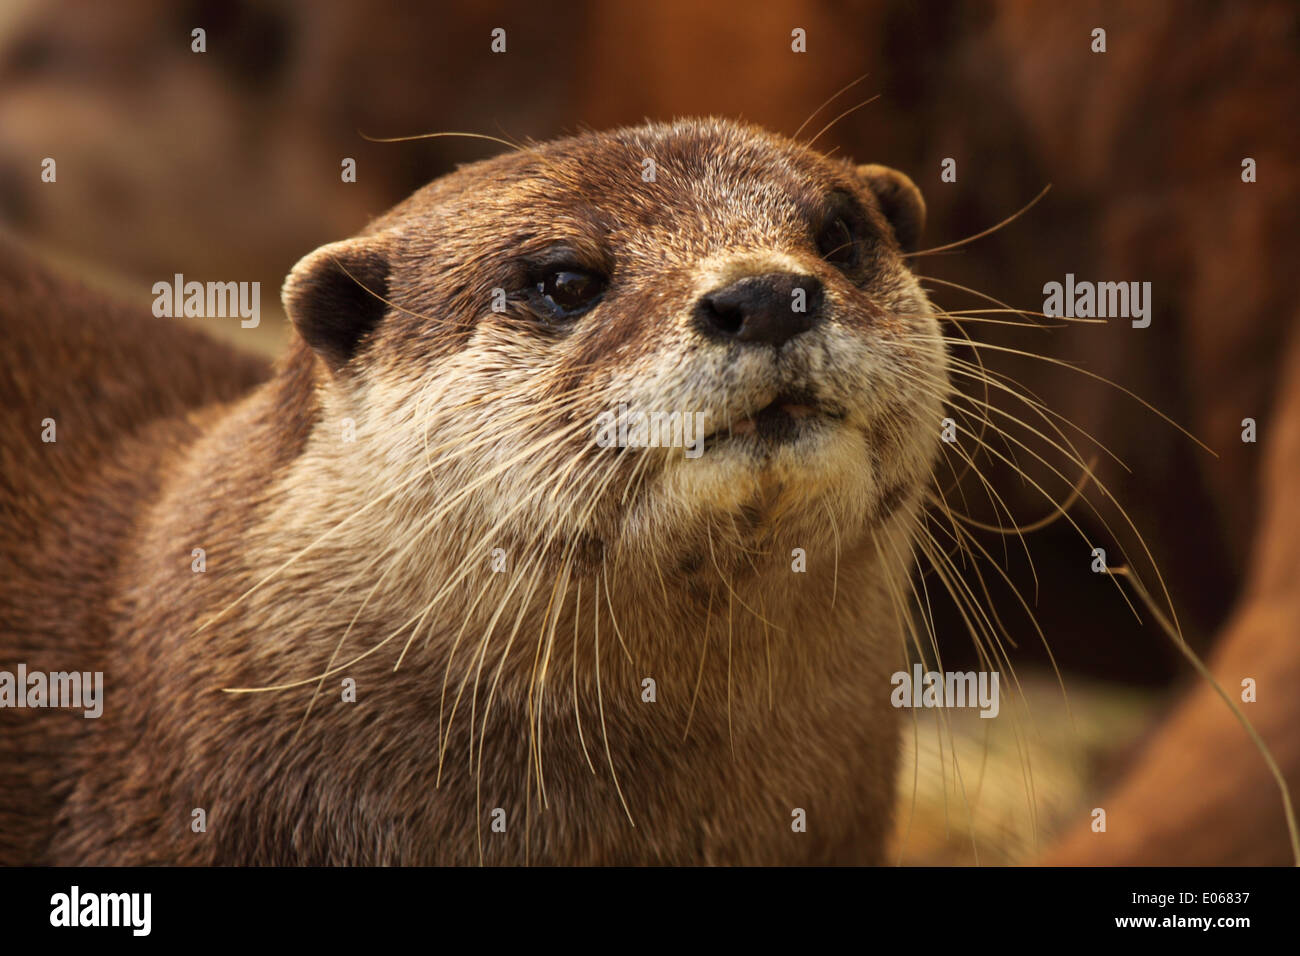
(68, 508)
(1142, 145)
(661, 563)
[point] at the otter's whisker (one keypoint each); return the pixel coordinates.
(827, 102)
(600, 703)
(852, 109)
(699, 675)
(987, 232)
(577, 712)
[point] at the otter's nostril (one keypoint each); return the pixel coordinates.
(723, 317)
(762, 310)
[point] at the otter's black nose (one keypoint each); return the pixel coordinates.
(763, 310)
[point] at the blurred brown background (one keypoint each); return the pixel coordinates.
(226, 165)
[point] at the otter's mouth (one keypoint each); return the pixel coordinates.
(784, 420)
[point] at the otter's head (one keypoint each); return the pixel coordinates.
(637, 345)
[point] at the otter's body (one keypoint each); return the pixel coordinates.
(70, 508)
(391, 605)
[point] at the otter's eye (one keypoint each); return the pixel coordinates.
(836, 243)
(571, 290)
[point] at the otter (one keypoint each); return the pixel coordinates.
(390, 603)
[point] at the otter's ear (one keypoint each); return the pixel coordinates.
(335, 296)
(900, 201)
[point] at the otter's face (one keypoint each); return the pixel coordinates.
(650, 336)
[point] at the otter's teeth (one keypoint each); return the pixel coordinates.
(798, 411)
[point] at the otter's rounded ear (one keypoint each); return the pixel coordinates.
(335, 296)
(900, 201)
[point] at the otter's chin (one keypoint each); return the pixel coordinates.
(779, 458)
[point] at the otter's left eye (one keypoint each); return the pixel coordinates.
(836, 243)
(570, 291)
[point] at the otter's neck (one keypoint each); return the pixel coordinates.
(437, 692)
